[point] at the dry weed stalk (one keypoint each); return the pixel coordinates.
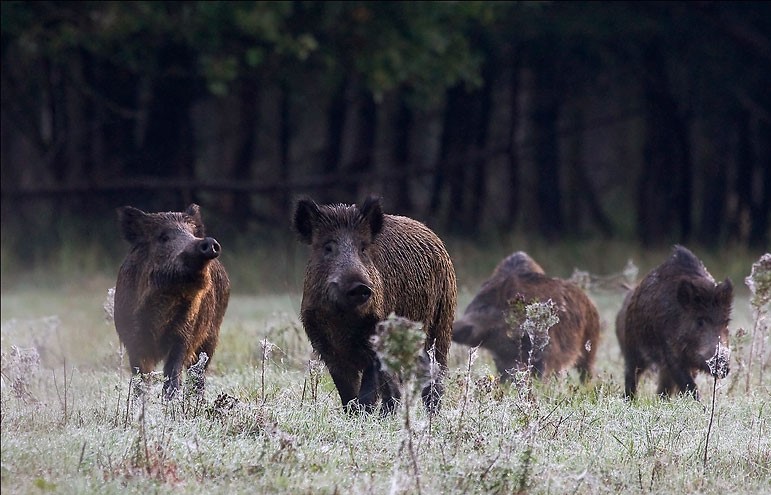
(759, 283)
(718, 366)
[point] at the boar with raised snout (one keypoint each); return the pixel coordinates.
(487, 321)
(673, 320)
(171, 294)
(363, 266)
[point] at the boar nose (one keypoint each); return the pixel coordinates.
(358, 294)
(209, 248)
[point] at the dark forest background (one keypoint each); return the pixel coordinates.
(643, 121)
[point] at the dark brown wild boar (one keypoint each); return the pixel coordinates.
(171, 293)
(673, 320)
(363, 266)
(572, 342)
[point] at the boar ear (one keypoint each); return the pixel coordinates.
(305, 214)
(131, 222)
(690, 295)
(725, 293)
(372, 212)
(194, 212)
(685, 293)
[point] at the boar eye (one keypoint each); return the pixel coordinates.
(163, 238)
(700, 321)
(329, 247)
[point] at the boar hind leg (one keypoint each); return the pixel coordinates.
(432, 396)
(585, 365)
(631, 376)
(172, 370)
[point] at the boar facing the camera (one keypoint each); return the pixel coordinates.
(363, 266)
(674, 320)
(171, 294)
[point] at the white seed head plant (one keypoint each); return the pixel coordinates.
(719, 362)
(759, 281)
(109, 305)
(539, 318)
(398, 343)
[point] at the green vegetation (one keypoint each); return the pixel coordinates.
(640, 120)
(270, 422)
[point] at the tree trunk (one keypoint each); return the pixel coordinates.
(760, 235)
(168, 141)
(744, 178)
(246, 143)
(336, 116)
(285, 140)
(445, 166)
(664, 190)
(76, 145)
(684, 163)
(714, 172)
(512, 151)
(364, 151)
(574, 192)
(481, 123)
(545, 118)
(457, 158)
(404, 124)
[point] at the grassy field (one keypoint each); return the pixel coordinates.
(271, 422)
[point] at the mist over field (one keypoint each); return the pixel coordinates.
(594, 136)
(271, 422)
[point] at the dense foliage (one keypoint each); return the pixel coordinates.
(641, 120)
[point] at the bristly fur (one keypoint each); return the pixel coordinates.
(573, 340)
(673, 320)
(404, 266)
(171, 294)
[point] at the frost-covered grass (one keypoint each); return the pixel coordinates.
(269, 422)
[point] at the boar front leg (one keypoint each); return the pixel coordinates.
(389, 391)
(172, 370)
(684, 381)
(377, 384)
(347, 382)
(370, 384)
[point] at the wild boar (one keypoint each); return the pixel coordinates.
(363, 266)
(673, 320)
(172, 292)
(487, 321)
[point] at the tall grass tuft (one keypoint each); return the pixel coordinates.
(313, 373)
(267, 349)
(560, 438)
(759, 283)
(20, 366)
(398, 343)
(533, 319)
(718, 366)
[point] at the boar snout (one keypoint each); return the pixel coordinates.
(349, 294)
(358, 294)
(209, 248)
